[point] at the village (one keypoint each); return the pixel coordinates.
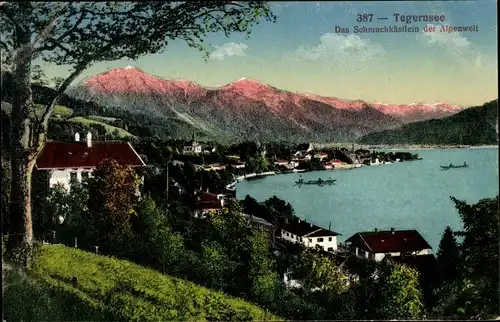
(68, 162)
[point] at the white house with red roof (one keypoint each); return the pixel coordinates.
(75, 160)
(308, 234)
(379, 244)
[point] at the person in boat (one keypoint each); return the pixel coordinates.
(465, 164)
(451, 164)
(320, 180)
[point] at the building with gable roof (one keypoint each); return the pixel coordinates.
(379, 244)
(67, 161)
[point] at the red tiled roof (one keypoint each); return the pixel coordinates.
(206, 196)
(392, 242)
(65, 155)
(209, 205)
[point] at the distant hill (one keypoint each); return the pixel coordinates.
(472, 126)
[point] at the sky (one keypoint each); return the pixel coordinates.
(303, 52)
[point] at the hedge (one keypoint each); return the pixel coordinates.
(104, 288)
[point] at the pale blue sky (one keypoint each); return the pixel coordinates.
(301, 53)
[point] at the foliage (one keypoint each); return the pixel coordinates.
(116, 131)
(392, 292)
(475, 292)
(158, 239)
(132, 293)
(114, 191)
(448, 256)
(257, 164)
(317, 271)
(261, 269)
(312, 165)
(472, 126)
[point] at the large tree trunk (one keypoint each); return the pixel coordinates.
(21, 232)
(23, 148)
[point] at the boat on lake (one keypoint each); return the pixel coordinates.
(319, 182)
(452, 166)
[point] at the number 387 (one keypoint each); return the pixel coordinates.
(367, 17)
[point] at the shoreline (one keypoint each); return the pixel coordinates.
(426, 147)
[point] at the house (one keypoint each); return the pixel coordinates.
(192, 146)
(378, 244)
(214, 167)
(209, 149)
(207, 202)
(282, 163)
(327, 165)
(239, 165)
(285, 163)
(309, 234)
(321, 156)
(262, 225)
(67, 161)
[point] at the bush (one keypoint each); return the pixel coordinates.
(121, 290)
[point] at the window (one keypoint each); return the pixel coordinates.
(330, 249)
(72, 176)
(310, 240)
(329, 238)
(320, 240)
(287, 234)
(85, 175)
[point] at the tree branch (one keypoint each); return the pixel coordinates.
(10, 18)
(60, 38)
(40, 127)
(45, 33)
(62, 88)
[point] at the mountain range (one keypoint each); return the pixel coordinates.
(245, 109)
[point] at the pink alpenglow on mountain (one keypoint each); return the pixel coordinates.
(247, 108)
(130, 80)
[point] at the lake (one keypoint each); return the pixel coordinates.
(405, 195)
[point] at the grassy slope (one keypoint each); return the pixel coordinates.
(113, 289)
(109, 128)
(473, 126)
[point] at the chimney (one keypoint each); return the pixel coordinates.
(299, 220)
(89, 139)
(77, 137)
(392, 230)
(311, 224)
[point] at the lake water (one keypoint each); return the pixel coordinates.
(406, 195)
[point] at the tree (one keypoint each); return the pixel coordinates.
(162, 244)
(393, 293)
(80, 34)
(318, 271)
(475, 292)
(262, 277)
(257, 164)
(113, 193)
(448, 256)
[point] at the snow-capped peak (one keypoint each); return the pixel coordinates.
(130, 67)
